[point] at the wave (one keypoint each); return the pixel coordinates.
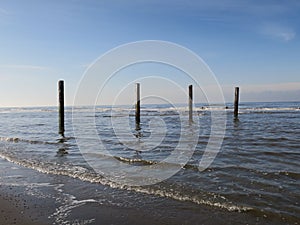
(28, 109)
(292, 106)
(199, 110)
(145, 111)
(269, 110)
(145, 162)
(135, 160)
(38, 142)
(84, 174)
(16, 140)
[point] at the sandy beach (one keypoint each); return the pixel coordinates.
(15, 211)
(30, 197)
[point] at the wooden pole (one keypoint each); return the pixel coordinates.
(191, 103)
(138, 106)
(61, 105)
(236, 102)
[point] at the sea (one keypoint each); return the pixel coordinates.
(255, 168)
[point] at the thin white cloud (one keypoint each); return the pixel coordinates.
(292, 86)
(25, 67)
(253, 7)
(277, 31)
(5, 16)
(3, 12)
(8, 71)
(265, 92)
(85, 65)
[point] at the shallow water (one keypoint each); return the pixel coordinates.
(256, 171)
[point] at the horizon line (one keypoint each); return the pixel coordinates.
(204, 103)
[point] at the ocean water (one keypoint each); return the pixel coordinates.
(256, 171)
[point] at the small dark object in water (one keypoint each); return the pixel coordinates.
(62, 152)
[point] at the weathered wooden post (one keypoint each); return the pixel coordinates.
(61, 106)
(236, 102)
(191, 103)
(138, 106)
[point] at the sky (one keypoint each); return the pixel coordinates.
(247, 43)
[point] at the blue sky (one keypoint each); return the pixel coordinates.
(251, 44)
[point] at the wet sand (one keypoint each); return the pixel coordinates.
(30, 197)
(19, 208)
(14, 211)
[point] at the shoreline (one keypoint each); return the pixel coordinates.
(30, 197)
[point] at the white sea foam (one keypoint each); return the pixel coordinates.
(85, 175)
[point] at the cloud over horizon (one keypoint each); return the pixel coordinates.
(26, 67)
(278, 31)
(265, 92)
